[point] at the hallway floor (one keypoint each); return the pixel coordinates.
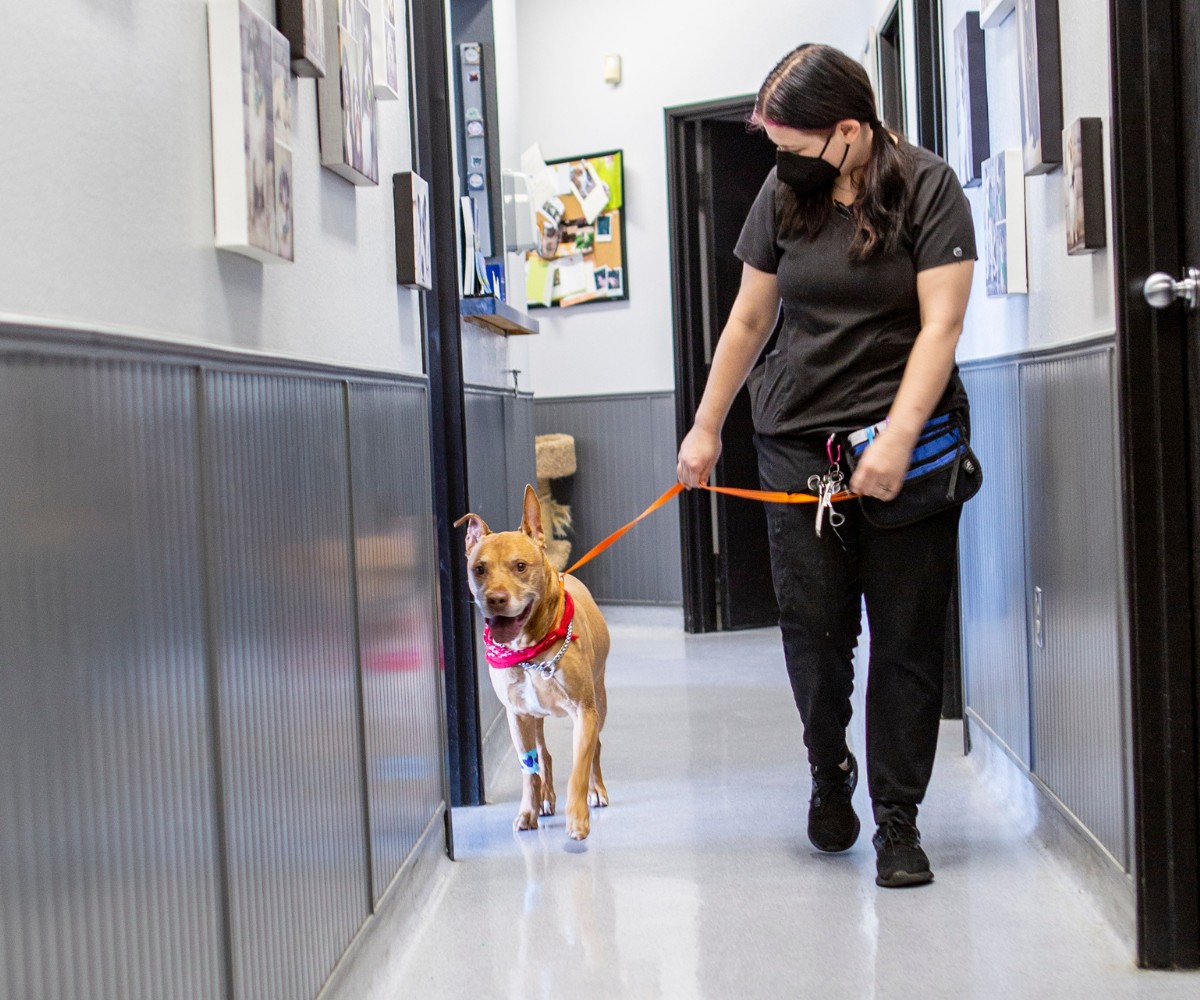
(698, 881)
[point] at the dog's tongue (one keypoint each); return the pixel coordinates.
(505, 630)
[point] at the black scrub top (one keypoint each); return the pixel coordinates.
(848, 327)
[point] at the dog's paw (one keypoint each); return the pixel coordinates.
(578, 826)
(526, 820)
(597, 796)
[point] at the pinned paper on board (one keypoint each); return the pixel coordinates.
(539, 281)
(587, 187)
(543, 186)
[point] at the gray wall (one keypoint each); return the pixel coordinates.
(625, 449)
(219, 674)
(1048, 517)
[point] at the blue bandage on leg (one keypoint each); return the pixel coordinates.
(529, 762)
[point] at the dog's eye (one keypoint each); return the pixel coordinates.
(521, 567)
(480, 569)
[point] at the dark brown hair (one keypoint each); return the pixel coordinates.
(813, 88)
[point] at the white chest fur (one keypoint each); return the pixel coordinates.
(526, 691)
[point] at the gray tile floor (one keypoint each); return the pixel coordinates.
(697, 882)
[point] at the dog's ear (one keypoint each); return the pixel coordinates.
(476, 529)
(531, 523)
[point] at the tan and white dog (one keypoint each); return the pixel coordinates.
(546, 644)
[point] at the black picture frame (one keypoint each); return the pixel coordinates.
(1083, 186)
(302, 23)
(970, 76)
(414, 260)
(1041, 85)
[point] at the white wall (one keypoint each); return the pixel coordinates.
(106, 211)
(1069, 297)
(673, 52)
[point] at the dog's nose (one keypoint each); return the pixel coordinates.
(497, 601)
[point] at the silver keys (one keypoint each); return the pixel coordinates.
(826, 487)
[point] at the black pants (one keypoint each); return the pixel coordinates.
(905, 575)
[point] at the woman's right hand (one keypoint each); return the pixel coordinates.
(698, 455)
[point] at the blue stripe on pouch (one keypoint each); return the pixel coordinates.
(931, 466)
(927, 450)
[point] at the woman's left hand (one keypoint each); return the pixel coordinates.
(881, 469)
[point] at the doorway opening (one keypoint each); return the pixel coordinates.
(716, 167)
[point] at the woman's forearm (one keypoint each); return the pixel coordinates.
(925, 378)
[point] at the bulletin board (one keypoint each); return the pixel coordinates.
(580, 257)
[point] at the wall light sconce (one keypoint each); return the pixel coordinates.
(612, 69)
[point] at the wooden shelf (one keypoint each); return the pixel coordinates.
(501, 317)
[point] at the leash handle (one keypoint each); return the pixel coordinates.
(764, 496)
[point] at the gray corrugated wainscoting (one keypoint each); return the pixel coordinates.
(284, 651)
(108, 847)
(625, 449)
(1074, 558)
(1047, 674)
(394, 554)
(992, 571)
(219, 667)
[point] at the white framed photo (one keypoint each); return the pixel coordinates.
(346, 104)
(1006, 267)
(253, 103)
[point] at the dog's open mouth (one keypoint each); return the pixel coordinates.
(506, 630)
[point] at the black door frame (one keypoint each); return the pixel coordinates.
(931, 104)
(685, 190)
(1148, 172)
(434, 160)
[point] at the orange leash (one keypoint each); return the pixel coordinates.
(765, 496)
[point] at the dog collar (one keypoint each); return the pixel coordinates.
(502, 658)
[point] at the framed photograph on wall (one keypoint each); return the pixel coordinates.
(388, 17)
(580, 255)
(253, 101)
(993, 12)
(414, 263)
(302, 22)
(346, 105)
(1041, 84)
(1083, 184)
(1004, 224)
(970, 79)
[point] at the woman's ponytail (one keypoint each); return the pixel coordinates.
(879, 207)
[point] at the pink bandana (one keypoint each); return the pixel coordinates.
(501, 657)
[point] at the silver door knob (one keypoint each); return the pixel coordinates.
(1161, 290)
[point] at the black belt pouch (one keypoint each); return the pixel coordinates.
(943, 473)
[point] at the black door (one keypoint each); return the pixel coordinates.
(738, 161)
(1156, 197)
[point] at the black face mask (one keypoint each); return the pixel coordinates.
(808, 175)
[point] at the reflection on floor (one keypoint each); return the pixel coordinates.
(697, 882)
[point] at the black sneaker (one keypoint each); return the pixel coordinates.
(899, 860)
(832, 823)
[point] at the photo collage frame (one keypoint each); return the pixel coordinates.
(580, 255)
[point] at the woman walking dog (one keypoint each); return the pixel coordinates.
(867, 242)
